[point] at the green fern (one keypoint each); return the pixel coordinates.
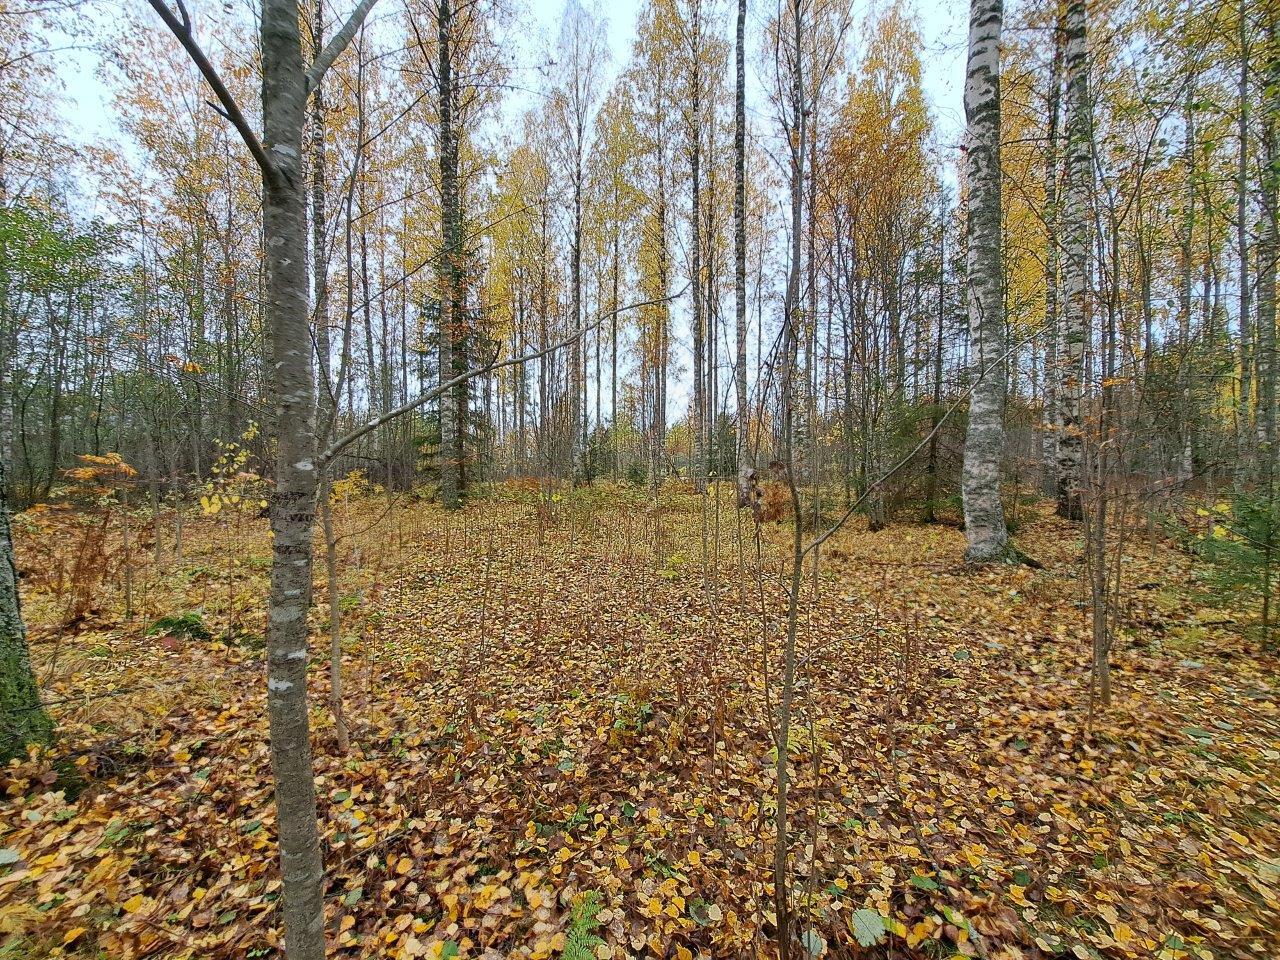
(580, 940)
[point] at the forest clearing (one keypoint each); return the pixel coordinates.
(558, 703)
(656, 479)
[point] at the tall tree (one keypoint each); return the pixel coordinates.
(452, 298)
(1075, 232)
(985, 530)
(1268, 248)
(285, 86)
(582, 53)
(1244, 404)
(740, 252)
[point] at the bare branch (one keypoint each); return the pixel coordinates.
(333, 49)
(180, 26)
(339, 445)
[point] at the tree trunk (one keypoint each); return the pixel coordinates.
(1244, 405)
(931, 499)
(1075, 232)
(985, 530)
(342, 737)
(23, 720)
(697, 420)
(1267, 248)
(1185, 348)
(1051, 332)
(740, 257)
(795, 136)
(451, 414)
(293, 502)
(319, 262)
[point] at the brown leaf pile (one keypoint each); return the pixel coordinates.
(568, 704)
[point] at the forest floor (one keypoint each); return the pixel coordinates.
(560, 747)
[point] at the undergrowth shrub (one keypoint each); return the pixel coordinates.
(188, 626)
(775, 501)
(1238, 539)
(70, 554)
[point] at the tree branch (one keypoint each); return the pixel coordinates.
(333, 49)
(180, 26)
(342, 443)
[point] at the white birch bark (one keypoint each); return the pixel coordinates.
(988, 538)
(1266, 250)
(745, 472)
(1075, 232)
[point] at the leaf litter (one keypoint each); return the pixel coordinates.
(561, 747)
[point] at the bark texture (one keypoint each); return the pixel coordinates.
(1077, 175)
(453, 402)
(985, 530)
(740, 257)
(23, 720)
(284, 98)
(1267, 248)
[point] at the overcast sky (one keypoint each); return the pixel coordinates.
(943, 23)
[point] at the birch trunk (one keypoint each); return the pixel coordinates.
(740, 256)
(698, 421)
(1186, 360)
(452, 402)
(1266, 249)
(1075, 232)
(284, 98)
(1051, 263)
(988, 538)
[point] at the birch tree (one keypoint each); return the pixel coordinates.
(286, 82)
(985, 530)
(740, 252)
(582, 52)
(1075, 233)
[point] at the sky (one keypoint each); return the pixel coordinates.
(943, 26)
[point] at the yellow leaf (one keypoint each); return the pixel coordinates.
(74, 934)
(132, 904)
